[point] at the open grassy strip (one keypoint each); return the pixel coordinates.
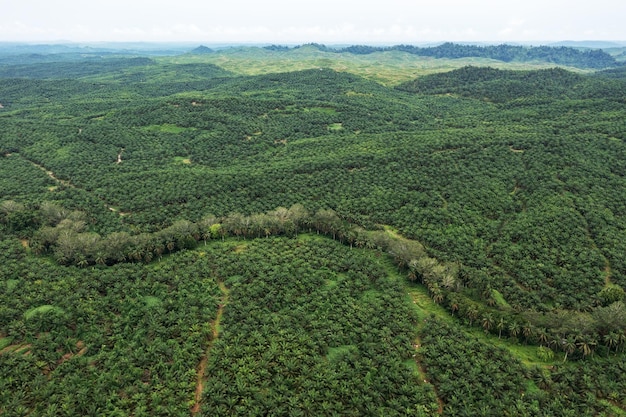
(425, 308)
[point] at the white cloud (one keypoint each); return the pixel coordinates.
(132, 32)
(323, 21)
(513, 29)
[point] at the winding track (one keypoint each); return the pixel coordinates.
(215, 326)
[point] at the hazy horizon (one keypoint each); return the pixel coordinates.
(325, 21)
(199, 42)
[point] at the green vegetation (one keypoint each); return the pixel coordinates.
(293, 346)
(597, 59)
(206, 234)
(389, 66)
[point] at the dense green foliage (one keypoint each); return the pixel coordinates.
(70, 69)
(559, 55)
(501, 86)
(108, 341)
(476, 379)
(298, 335)
(141, 201)
(327, 336)
(466, 177)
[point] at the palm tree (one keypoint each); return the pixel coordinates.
(622, 339)
(527, 331)
(542, 336)
(454, 303)
(81, 260)
(487, 322)
(436, 293)
(586, 344)
(500, 326)
(611, 340)
(100, 257)
(514, 329)
(568, 345)
(472, 313)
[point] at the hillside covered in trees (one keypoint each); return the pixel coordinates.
(179, 238)
(562, 55)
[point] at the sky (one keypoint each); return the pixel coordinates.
(322, 21)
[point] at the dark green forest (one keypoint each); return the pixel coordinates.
(587, 58)
(180, 239)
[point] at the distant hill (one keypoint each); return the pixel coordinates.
(276, 48)
(583, 54)
(561, 55)
(613, 73)
(70, 69)
(589, 44)
(53, 51)
(501, 86)
(202, 50)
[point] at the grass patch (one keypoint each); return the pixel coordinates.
(335, 126)
(500, 301)
(370, 296)
(334, 279)
(357, 94)
(240, 248)
(330, 283)
(325, 110)
(12, 284)
(336, 353)
(615, 410)
(424, 305)
(5, 341)
(44, 309)
(412, 365)
(152, 301)
(166, 128)
(526, 353)
(182, 160)
(531, 387)
(64, 152)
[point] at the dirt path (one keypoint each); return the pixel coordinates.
(215, 326)
(417, 344)
(119, 156)
(50, 174)
(69, 184)
(426, 306)
(23, 349)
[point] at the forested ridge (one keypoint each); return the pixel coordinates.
(562, 55)
(169, 229)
